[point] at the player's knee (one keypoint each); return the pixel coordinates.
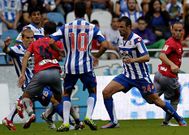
(67, 92)
(149, 101)
(106, 93)
(26, 95)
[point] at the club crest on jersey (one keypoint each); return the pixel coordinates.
(139, 39)
(129, 42)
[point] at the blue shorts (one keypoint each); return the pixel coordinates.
(88, 79)
(144, 85)
(45, 97)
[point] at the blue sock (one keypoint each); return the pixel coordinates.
(169, 109)
(109, 107)
(66, 98)
(59, 109)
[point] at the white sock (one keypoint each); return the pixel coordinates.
(66, 111)
(29, 105)
(90, 107)
(114, 114)
(74, 114)
(48, 110)
(12, 112)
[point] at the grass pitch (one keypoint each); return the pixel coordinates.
(127, 127)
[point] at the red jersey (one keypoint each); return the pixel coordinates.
(173, 50)
(44, 56)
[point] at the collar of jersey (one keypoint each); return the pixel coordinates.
(130, 36)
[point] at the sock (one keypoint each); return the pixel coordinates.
(169, 116)
(59, 110)
(169, 109)
(110, 109)
(91, 101)
(28, 105)
(75, 115)
(12, 113)
(49, 111)
(66, 109)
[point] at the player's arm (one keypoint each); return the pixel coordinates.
(22, 77)
(52, 44)
(144, 58)
(103, 47)
(6, 45)
(163, 57)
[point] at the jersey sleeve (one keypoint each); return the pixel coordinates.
(167, 49)
(98, 35)
(12, 53)
(58, 34)
(141, 46)
(30, 48)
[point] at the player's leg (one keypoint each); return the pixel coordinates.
(35, 88)
(29, 109)
(119, 83)
(171, 89)
(8, 121)
(89, 82)
(75, 115)
(171, 93)
(148, 91)
(46, 98)
(69, 83)
(167, 108)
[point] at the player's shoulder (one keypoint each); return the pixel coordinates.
(136, 38)
(18, 48)
(170, 41)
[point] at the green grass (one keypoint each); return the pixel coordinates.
(127, 127)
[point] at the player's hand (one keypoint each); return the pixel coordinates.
(128, 60)
(7, 41)
(21, 80)
(95, 61)
(175, 69)
(61, 53)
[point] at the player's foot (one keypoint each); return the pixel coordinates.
(9, 124)
(63, 128)
(79, 126)
(111, 125)
(49, 121)
(20, 108)
(30, 120)
(182, 122)
(90, 123)
(169, 124)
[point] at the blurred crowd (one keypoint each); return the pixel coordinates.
(151, 19)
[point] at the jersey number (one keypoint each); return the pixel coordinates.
(82, 41)
(44, 52)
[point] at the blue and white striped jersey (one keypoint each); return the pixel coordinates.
(133, 47)
(17, 53)
(77, 38)
(38, 32)
(9, 9)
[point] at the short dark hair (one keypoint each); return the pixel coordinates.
(50, 27)
(126, 19)
(95, 22)
(35, 9)
(142, 18)
(80, 9)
